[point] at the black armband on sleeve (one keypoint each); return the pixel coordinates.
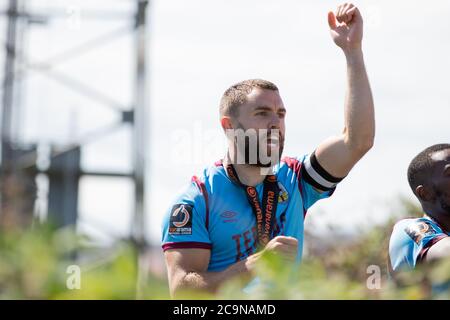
(317, 176)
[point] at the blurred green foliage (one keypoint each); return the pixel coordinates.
(34, 265)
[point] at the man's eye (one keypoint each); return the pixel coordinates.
(262, 113)
(282, 115)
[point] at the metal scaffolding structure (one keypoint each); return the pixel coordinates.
(19, 161)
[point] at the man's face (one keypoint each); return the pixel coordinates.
(264, 110)
(440, 179)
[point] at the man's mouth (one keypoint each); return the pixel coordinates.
(273, 140)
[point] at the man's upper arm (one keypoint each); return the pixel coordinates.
(336, 157)
(180, 262)
(185, 236)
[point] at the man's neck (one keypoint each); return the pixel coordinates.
(442, 222)
(249, 175)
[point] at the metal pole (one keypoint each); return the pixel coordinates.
(139, 134)
(139, 146)
(8, 83)
(7, 104)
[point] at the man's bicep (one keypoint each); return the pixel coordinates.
(180, 262)
(188, 259)
(439, 250)
(336, 157)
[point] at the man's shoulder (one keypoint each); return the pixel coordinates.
(414, 230)
(290, 163)
(421, 224)
(203, 180)
(410, 240)
(406, 222)
(213, 174)
(291, 160)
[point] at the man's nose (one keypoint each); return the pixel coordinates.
(275, 122)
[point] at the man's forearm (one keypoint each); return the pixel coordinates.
(210, 281)
(359, 109)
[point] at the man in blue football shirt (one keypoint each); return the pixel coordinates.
(414, 241)
(235, 211)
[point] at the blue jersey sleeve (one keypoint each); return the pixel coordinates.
(311, 195)
(312, 181)
(410, 241)
(185, 222)
(315, 182)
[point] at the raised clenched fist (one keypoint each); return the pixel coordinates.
(346, 27)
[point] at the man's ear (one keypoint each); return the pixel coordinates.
(424, 194)
(226, 123)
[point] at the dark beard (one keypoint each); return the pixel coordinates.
(445, 206)
(247, 149)
(441, 197)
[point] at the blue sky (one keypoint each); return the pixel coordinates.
(198, 48)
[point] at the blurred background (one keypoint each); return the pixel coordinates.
(110, 106)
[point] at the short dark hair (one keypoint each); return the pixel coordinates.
(420, 167)
(236, 95)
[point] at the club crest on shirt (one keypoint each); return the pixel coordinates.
(181, 220)
(283, 196)
(419, 230)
